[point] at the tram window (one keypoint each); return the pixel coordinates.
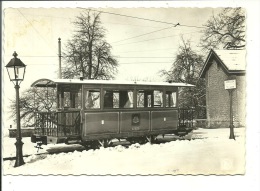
(92, 99)
(158, 98)
(126, 99)
(66, 99)
(170, 99)
(78, 100)
(144, 98)
(148, 98)
(118, 99)
(140, 98)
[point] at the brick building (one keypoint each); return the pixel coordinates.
(220, 65)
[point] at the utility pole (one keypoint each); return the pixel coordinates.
(59, 45)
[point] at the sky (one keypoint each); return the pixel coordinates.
(34, 40)
(34, 33)
(144, 41)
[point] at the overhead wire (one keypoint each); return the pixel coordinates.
(125, 16)
(120, 63)
(152, 50)
(145, 34)
(114, 56)
(134, 17)
(103, 22)
(151, 39)
(126, 38)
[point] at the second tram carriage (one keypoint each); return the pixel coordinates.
(93, 112)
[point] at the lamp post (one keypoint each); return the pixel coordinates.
(230, 85)
(16, 71)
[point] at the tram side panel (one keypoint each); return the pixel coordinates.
(100, 124)
(134, 123)
(164, 120)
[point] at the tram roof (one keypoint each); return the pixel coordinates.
(44, 82)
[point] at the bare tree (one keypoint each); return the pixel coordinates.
(186, 68)
(226, 30)
(88, 52)
(33, 100)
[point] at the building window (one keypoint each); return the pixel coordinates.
(218, 66)
(92, 99)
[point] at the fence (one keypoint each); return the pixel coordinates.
(60, 123)
(186, 117)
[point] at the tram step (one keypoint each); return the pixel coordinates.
(73, 140)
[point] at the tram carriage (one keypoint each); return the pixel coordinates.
(94, 112)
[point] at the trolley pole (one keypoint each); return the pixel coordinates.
(59, 45)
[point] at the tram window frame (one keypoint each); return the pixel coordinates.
(77, 96)
(118, 100)
(97, 102)
(149, 98)
(161, 94)
(169, 97)
(66, 100)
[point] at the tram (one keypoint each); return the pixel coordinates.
(94, 112)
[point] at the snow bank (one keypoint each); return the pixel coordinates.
(211, 152)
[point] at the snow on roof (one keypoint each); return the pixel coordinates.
(52, 82)
(233, 59)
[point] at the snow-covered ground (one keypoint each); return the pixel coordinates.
(211, 152)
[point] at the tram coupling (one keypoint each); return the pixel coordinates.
(38, 146)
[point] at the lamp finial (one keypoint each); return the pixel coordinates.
(15, 54)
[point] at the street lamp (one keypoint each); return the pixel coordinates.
(16, 71)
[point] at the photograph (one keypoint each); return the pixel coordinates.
(116, 90)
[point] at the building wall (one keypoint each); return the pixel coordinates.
(218, 101)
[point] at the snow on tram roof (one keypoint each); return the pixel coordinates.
(51, 82)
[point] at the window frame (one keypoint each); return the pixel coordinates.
(117, 89)
(162, 90)
(172, 89)
(84, 98)
(170, 94)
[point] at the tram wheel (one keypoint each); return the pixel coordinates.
(140, 140)
(151, 139)
(143, 140)
(104, 143)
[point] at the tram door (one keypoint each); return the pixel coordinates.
(69, 104)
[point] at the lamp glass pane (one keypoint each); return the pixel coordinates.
(11, 73)
(19, 73)
(16, 73)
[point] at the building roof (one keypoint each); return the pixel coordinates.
(53, 82)
(232, 61)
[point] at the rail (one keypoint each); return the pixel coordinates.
(61, 123)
